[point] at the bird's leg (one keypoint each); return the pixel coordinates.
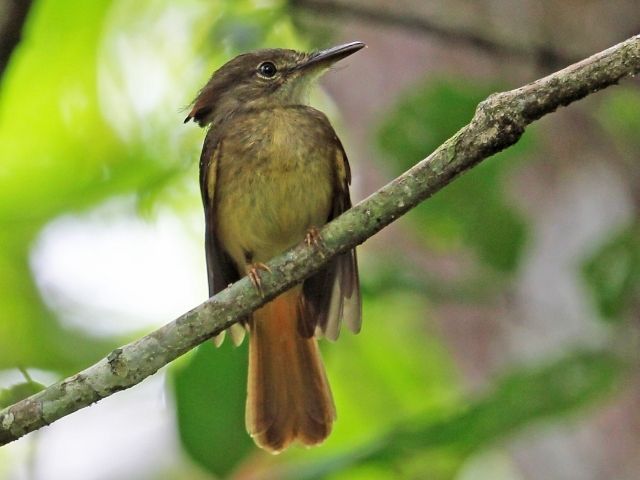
(253, 272)
(313, 238)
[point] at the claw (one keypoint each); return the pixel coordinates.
(254, 275)
(312, 238)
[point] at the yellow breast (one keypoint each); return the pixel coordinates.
(275, 180)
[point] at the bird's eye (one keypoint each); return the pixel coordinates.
(267, 69)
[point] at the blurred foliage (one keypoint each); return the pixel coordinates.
(244, 25)
(612, 274)
(18, 391)
(49, 126)
(80, 125)
(428, 447)
(618, 113)
(473, 211)
(214, 381)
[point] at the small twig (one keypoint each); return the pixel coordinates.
(13, 14)
(25, 374)
(498, 123)
(543, 56)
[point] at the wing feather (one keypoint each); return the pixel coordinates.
(333, 294)
(220, 269)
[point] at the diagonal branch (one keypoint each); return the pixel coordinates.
(498, 123)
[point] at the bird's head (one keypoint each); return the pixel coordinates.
(263, 78)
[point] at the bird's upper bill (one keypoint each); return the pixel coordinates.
(325, 58)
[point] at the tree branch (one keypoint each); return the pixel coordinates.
(498, 123)
(13, 14)
(543, 56)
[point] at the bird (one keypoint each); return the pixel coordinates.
(273, 172)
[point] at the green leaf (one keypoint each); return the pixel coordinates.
(17, 392)
(612, 274)
(210, 397)
(474, 211)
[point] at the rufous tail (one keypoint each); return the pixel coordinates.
(288, 396)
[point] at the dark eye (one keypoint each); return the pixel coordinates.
(267, 69)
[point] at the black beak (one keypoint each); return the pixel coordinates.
(332, 55)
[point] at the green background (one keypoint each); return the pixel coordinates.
(73, 138)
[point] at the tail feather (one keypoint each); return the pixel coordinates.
(288, 394)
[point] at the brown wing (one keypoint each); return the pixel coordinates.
(333, 294)
(220, 269)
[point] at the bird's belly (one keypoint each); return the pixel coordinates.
(266, 207)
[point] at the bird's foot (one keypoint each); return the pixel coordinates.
(253, 272)
(313, 239)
